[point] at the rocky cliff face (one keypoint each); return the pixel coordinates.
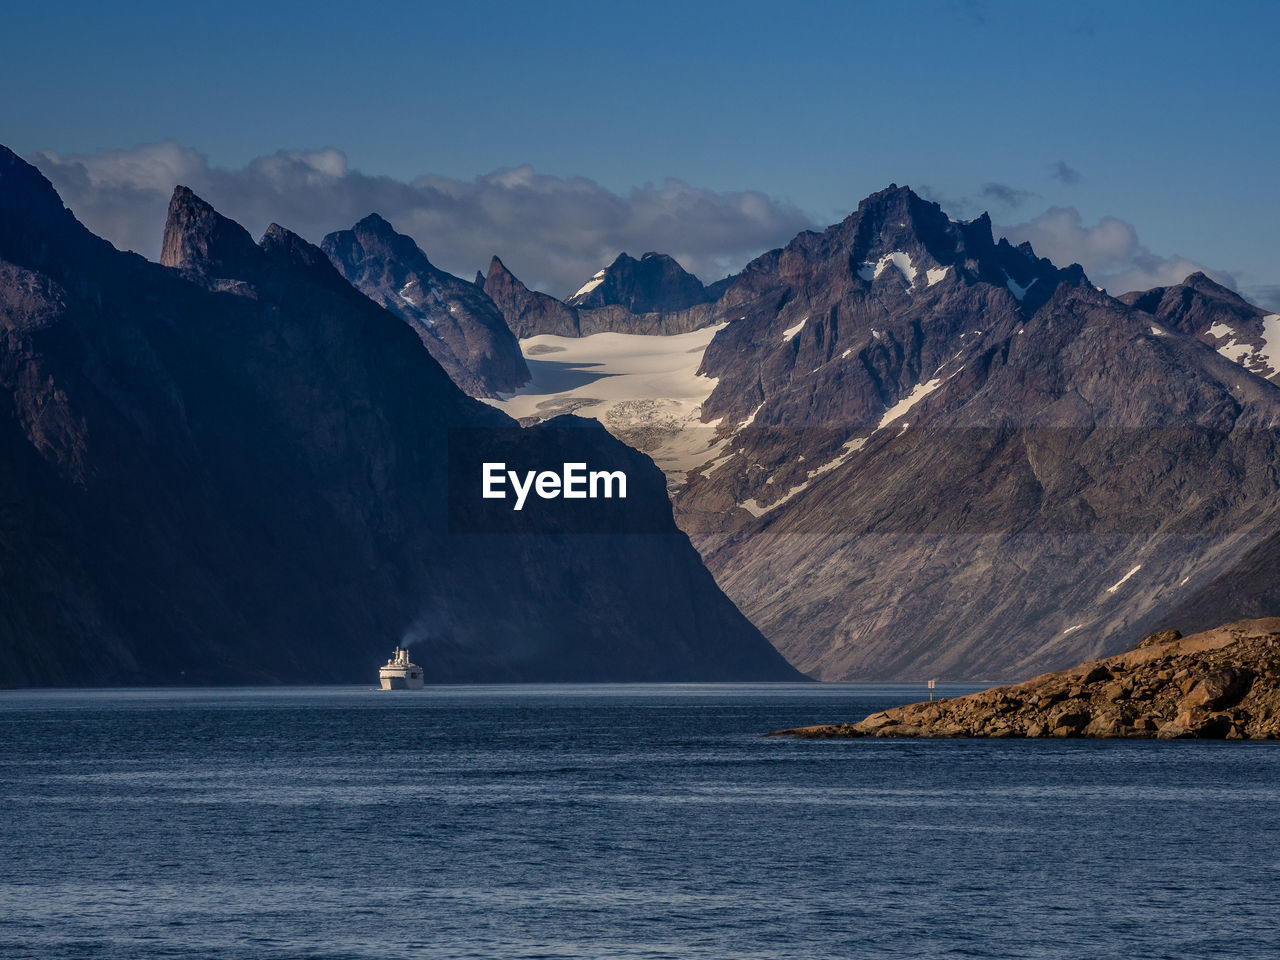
(935, 446)
(237, 469)
(459, 325)
(1220, 684)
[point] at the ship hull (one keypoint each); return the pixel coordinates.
(401, 679)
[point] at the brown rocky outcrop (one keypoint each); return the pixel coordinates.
(1223, 683)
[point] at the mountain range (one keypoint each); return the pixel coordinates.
(934, 453)
(235, 467)
(903, 447)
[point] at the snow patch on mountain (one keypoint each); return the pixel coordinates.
(1270, 350)
(1121, 582)
(903, 406)
(595, 281)
(758, 509)
(1262, 359)
(751, 419)
(790, 333)
(870, 271)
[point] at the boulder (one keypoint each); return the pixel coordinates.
(1164, 636)
(1221, 688)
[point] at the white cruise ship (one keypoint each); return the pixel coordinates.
(399, 674)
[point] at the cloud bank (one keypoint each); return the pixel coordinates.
(552, 232)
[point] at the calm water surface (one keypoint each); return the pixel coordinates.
(611, 822)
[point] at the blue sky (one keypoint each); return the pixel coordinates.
(1164, 111)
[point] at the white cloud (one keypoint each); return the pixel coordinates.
(1109, 250)
(552, 232)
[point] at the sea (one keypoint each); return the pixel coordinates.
(628, 821)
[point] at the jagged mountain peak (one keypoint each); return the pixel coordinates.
(200, 240)
(283, 245)
(219, 252)
(901, 212)
(26, 193)
(374, 224)
(896, 247)
(457, 322)
(894, 198)
(1202, 280)
(374, 235)
(654, 283)
(1197, 293)
(373, 244)
(1218, 316)
(34, 222)
(527, 312)
(897, 218)
(897, 227)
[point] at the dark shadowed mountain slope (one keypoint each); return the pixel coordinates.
(935, 446)
(1198, 306)
(239, 471)
(460, 326)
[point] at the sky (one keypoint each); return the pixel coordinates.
(1138, 138)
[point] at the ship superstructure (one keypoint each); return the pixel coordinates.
(399, 674)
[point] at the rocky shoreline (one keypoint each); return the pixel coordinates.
(1220, 684)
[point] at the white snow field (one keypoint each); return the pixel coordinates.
(644, 389)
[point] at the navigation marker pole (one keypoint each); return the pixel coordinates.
(932, 683)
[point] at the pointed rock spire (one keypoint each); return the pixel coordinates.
(199, 239)
(528, 312)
